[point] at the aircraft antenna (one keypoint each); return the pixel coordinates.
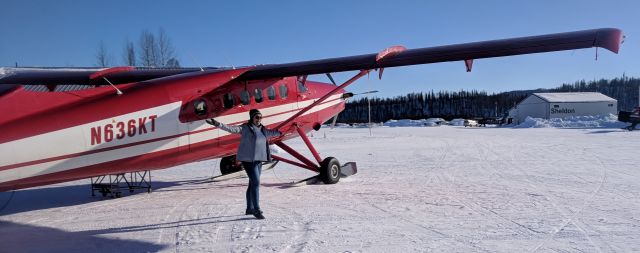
(369, 107)
(194, 60)
(118, 91)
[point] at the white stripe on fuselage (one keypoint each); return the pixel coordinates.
(76, 139)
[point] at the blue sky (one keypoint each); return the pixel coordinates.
(237, 33)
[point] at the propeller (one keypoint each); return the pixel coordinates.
(347, 96)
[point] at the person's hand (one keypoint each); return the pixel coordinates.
(212, 121)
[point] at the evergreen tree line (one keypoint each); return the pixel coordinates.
(475, 104)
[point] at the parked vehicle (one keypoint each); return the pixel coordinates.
(630, 117)
(470, 123)
(490, 121)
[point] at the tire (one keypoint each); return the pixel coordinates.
(330, 170)
(228, 165)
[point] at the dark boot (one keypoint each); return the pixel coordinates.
(258, 215)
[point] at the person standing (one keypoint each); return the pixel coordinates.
(253, 150)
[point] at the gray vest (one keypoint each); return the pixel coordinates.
(253, 144)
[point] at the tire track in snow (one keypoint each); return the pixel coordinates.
(86, 211)
(486, 149)
(200, 202)
(449, 180)
(434, 177)
(171, 216)
(568, 218)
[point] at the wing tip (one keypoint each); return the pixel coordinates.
(610, 39)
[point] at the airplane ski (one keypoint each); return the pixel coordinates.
(348, 169)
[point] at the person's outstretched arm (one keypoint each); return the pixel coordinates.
(230, 129)
(271, 133)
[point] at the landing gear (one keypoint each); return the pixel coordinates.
(330, 170)
(228, 165)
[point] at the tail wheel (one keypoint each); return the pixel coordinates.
(330, 170)
(228, 165)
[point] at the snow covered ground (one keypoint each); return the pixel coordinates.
(443, 189)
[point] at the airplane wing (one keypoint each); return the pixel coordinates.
(608, 38)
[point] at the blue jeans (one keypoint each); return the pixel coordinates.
(253, 170)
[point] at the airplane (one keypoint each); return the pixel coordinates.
(128, 119)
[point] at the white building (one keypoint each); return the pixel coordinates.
(560, 105)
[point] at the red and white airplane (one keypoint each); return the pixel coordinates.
(132, 119)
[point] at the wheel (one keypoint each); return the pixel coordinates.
(228, 165)
(330, 170)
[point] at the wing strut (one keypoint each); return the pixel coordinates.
(323, 98)
(383, 55)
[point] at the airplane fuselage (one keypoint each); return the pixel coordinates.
(63, 136)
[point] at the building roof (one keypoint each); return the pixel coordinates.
(573, 97)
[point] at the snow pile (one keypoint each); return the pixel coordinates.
(4, 72)
(415, 123)
(404, 123)
(457, 122)
(355, 125)
(599, 121)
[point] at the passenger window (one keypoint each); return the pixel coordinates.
(257, 94)
(283, 91)
(227, 100)
(301, 87)
(244, 97)
(271, 93)
(200, 107)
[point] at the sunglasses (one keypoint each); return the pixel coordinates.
(257, 117)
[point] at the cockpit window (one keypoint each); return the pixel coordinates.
(283, 91)
(228, 101)
(200, 107)
(271, 93)
(257, 95)
(244, 97)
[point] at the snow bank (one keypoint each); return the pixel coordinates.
(457, 122)
(405, 123)
(599, 121)
(3, 72)
(415, 123)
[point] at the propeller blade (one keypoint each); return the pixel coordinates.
(333, 123)
(368, 92)
(346, 96)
